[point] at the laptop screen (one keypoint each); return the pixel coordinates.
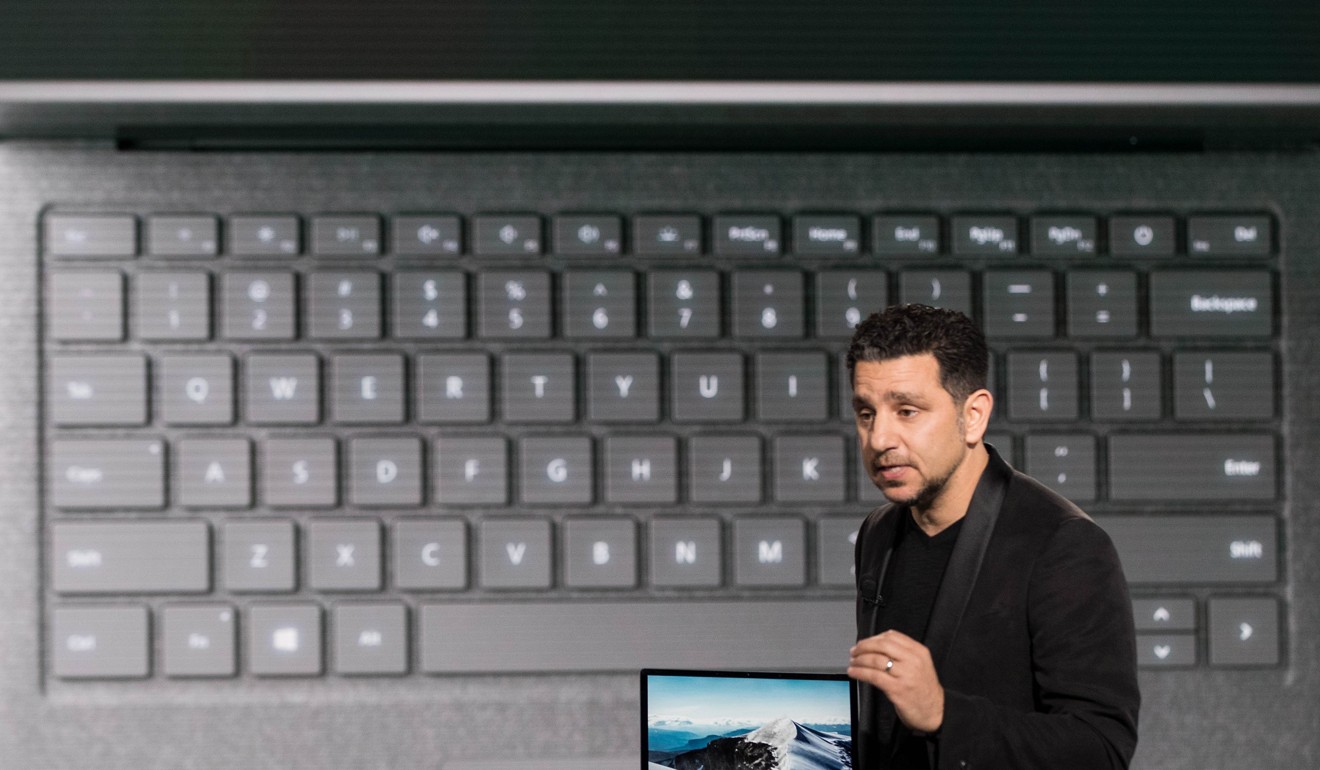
(1132, 41)
(742, 720)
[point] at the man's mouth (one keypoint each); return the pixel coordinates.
(890, 472)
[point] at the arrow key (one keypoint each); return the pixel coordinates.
(1166, 650)
(1244, 631)
(1165, 614)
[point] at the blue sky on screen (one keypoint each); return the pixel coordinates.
(672, 700)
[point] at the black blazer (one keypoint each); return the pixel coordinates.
(1031, 634)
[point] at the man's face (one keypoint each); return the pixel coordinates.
(911, 432)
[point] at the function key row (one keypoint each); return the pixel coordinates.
(754, 235)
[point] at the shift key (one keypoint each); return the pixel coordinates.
(130, 557)
(102, 474)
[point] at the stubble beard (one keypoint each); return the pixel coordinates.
(930, 492)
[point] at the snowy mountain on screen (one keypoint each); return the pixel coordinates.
(781, 744)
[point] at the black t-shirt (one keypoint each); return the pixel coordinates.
(916, 570)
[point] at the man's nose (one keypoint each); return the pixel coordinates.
(880, 434)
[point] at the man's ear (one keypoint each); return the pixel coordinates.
(976, 415)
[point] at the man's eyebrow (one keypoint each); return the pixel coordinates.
(889, 396)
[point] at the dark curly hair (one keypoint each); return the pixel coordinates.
(910, 330)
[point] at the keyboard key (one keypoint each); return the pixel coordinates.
(90, 235)
(826, 236)
(556, 470)
(506, 235)
(1166, 650)
(1223, 385)
(1043, 386)
(641, 469)
(904, 235)
(623, 387)
(539, 387)
(1126, 385)
(85, 306)
(264, 236)
(283, 389)
(172, 306)
(1167, 614)
(1211, 304)
(427, 235)
(667, 234)
(370, 638)
(1230, 235)
(769, 551)
(259, 555)
(385, 471)
(768, 303)
(102, 642)
(346, 235)
(1213, 549)
(97, 389)
(684, 303)
(600, 304)
(845, 297)
(724, 469)
(792, 387)
(686, 552)
(196, 389)
(706, 387)
(367, 388)
(430, 554)
(284, 640)
(453, 388)
(183, 236)
(471, 470)
(588, 235)
(258, 306)
(1142, 236)
(344, 305)
(836, 545)
(627, 636)
(951, 289)
(747, 235)
(1064, 463)
(344, 555)
(600, 552)
(105, 474)
(214, 472)
(430, 305)
(1019, 303)
(809, 469)
(1201, 466)
(513, 553)
(198, 640)
(985, 235)
(1102, 304)
(116, 557)
(1244, 631)
(1063, 235)
(301, 472)
(513, 304)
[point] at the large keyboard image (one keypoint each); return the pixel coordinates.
(414, 459)
(341, 437)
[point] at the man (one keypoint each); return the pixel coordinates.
(994, 624)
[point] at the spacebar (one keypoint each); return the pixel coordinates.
(531, 637)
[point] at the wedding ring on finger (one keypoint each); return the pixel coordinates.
(889, 666)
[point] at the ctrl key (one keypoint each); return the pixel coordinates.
(100, 642)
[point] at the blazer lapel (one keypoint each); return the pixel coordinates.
(968, 554)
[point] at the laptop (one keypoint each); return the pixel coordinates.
(387, 384)
(741, 719)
